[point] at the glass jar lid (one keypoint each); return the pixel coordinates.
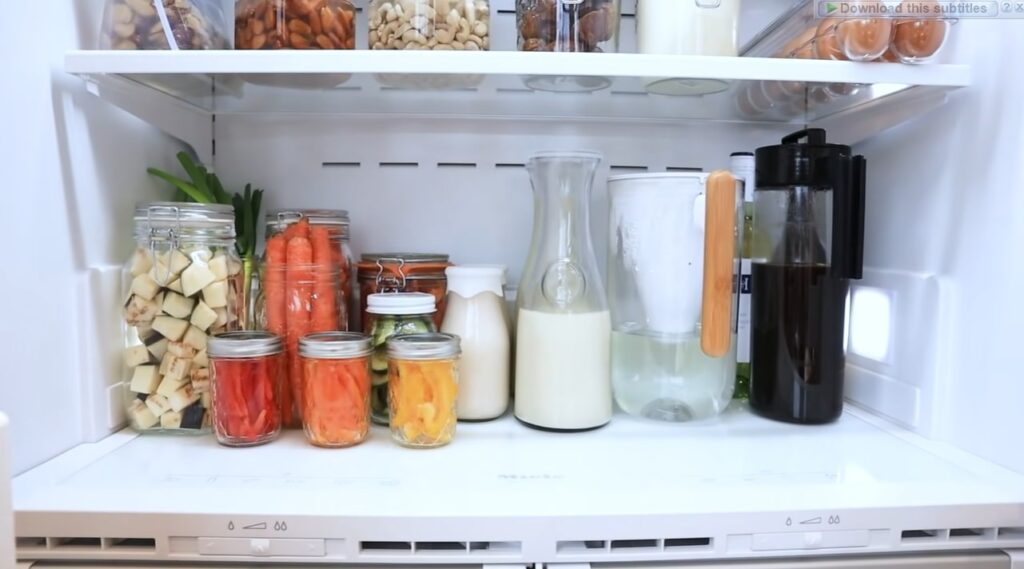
(424, 346)
(279, 220)
(401, 303)
(405, 257)
(335, 345)
(244, 345)
(169, 219)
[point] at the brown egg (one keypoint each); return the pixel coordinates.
(918, 40)
(864, 40)
(826, 44)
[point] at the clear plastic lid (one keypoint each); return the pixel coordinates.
(401, 303)
(433, 346)
(335, 345)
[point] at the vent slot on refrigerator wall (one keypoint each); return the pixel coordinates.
(1011, 533)
(30, 543)
(75, 542)
(440, 547)
(135, 544)
(585, 546)
(634, 545)
(971, 533)
(385, 547)
(496, 547)
(687, 543)
(921, 534)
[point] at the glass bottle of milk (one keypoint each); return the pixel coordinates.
(563, 330)
(477, 314)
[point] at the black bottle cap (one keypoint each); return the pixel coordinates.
(813, 163)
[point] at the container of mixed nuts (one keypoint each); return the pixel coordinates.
(163, 24)
(295, 24)
(568, 25)
(430, 24)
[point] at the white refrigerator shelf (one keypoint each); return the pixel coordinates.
(737, 487)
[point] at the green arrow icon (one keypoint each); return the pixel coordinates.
(830, 7)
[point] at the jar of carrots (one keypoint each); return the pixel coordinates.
(246, 380)
(303, 280)
(335, 400)
(422, 388)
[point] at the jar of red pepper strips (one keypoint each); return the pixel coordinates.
(247, 374)
(336, 388)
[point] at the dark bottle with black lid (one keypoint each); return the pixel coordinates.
(809, 228)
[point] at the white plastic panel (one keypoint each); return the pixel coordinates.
(955, 561)
(6, 513)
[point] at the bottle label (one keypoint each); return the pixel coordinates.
(743, 325)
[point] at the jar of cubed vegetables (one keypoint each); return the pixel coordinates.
(246, 379)
(423, 387)
(182, 283)
(335, 388)
(392, 314)
(301, 284)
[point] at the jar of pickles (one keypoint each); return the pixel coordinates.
(423, 387)
(403, 272)
(336, 388)
(247, 370)
(182, 283)
(430, 24)
(295, 24)
(393, 314)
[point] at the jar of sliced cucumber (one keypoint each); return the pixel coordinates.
(182, 284)
(393, 314)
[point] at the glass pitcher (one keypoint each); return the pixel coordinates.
(563, 332)
(673, 265)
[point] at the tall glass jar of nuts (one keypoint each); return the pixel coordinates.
(182, 284)
(295, 24)
(430, 24)
(568, 25)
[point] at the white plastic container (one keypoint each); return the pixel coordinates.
(688, 27)
(477, 314)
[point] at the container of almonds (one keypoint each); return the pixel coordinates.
(430, 24)
(295, 24)
(163, 24)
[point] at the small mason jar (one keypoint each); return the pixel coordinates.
(336, 388)
(393, 314)
(295, 24)
(423, 388)
(247, 368)
(430, 24)
(182, 283)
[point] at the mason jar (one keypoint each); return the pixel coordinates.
(336, 388)
(430, 24)
(182, 284)
(393, 314)
(423, 388)
(247, 368)
(402, 272)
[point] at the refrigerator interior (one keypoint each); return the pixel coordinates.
(929, 444)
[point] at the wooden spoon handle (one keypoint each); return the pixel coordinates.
(719, 261)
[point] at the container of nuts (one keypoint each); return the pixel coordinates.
(430, 24)
(295, 24)
(163, 24)
(568, 25)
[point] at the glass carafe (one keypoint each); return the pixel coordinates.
(563, 337)
(673, 259)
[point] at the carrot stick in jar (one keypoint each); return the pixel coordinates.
(324, 316)
(299, 293)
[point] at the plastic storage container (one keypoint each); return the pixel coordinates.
(336, 388)
(181, 284)
(568, 25)
(430, 24)
(247, 374)
(403, 272)
(477, 314)
(423, 387)
(688, 27)
(394, 314)
(164, 24)
(300, 293)
(295, 24)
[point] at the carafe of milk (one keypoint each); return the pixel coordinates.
(563, 330)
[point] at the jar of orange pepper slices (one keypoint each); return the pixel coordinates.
(422, 388)
(246, 378)
(336, 388)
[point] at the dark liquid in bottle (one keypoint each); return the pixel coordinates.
(797, 320)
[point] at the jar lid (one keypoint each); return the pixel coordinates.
(406, 257)
(244, 345)
(182, 217)
(335, 345)
(424, 346)
(401, 303)
(281, 218)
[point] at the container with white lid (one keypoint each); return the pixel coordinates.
(392, 314)
(478, 315)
